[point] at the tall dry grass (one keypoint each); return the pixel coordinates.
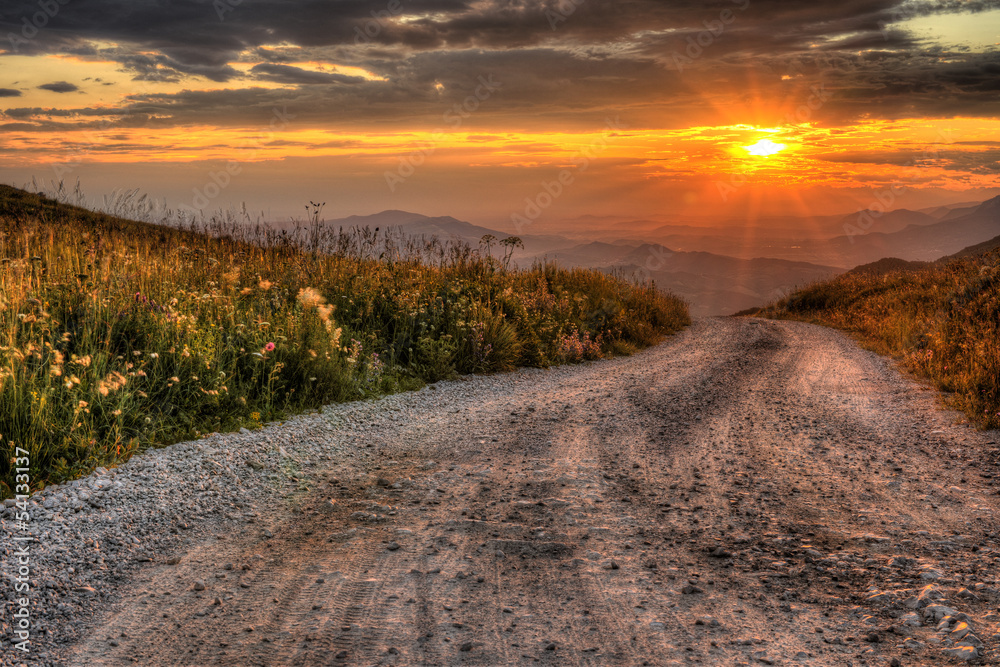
(117, 335)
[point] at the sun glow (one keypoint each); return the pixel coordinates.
(764, 147)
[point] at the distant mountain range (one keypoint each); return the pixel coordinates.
(721, 270)
(839, 240)
(923, 242)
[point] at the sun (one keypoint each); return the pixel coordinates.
(764, 147)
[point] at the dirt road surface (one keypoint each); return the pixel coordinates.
(748, 492)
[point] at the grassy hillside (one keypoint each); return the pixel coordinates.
(978, 249)
(116, 335)
(942, 321)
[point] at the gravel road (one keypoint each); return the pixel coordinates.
(748, 492)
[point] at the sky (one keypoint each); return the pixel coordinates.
(506, 112)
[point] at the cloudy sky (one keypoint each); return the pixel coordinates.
(483, 108)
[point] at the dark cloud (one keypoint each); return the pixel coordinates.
(9, 92)
(199, 39)
(37, 112)
(562, 62)
(59, 87)
(939, 155)
(296, 75)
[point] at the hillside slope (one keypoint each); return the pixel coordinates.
(117, 335)
(978, 249)
(942, 321)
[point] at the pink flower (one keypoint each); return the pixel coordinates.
(269, 347)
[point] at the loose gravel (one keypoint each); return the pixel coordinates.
(746, 493)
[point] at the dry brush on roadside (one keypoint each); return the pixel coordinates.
(942, 321)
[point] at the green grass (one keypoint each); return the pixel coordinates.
(117, 335)
(942, 321)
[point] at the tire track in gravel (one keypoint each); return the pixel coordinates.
(747, 492)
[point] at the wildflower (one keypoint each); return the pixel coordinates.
(175, 379)
(57, 362)
(82, 361)
(265, 285)
(154, 355)
(82, 404)
(269, 347)
(117, 413)
(114, 381)
(194, 378)
(310, 298)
